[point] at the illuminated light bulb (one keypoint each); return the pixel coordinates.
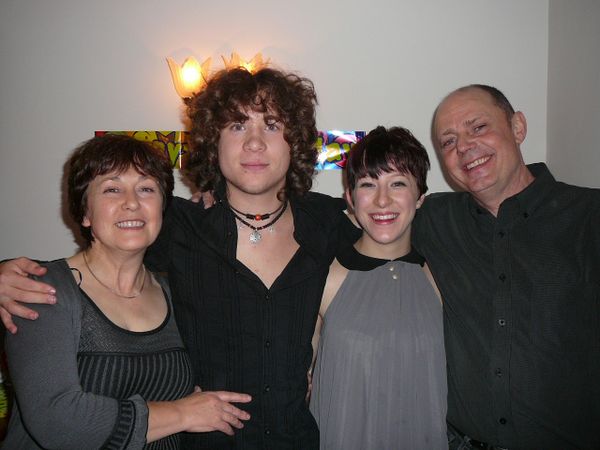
(189, 78)
(252, 66)
(191, 74)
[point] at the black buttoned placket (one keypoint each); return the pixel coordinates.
(499, 368)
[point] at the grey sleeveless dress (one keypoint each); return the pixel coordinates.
(380, 375)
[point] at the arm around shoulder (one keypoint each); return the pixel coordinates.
(16, 288)
(56, 412)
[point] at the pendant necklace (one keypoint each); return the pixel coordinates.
(255, 235)
(137, 294)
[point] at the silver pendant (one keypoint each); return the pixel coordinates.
(255, 237)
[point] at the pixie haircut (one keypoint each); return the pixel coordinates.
(112, 153)
(387, 150)
(226, 98)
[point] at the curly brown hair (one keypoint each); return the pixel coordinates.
(227, 95)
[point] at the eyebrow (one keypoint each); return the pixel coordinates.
(271, 117)
(467, 122)
(472, 121)
(118, 178)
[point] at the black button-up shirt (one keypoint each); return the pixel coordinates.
(521, 298)
(240, 335)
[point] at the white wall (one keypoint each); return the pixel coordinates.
(574, 91)
(70, 67)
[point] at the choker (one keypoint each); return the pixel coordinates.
(257, 217)
(255, 235)
(137, 294)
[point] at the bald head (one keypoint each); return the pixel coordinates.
(496, 96)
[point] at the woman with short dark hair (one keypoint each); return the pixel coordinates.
(380, 375)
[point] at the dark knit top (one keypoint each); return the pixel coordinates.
(120, 363)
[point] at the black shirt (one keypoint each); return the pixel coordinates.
(521, 296)
(240, 335)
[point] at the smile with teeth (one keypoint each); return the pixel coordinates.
(477, 162)
(384, 217)
(130, 224)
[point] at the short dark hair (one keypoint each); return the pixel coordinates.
(109, 153)
(225, 98)
(386, 150)
(498, 97)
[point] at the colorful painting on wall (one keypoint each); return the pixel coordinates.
(173, 143)
(333, 146)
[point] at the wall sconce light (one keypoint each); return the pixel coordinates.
(253, 65)
(190, 77)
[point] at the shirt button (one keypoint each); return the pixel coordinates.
(395, 277)
(391, 268)
(525, 215)
(267, 297)
(267, 432)
(267, 344)
(498, 372)
(502, 277)
(501, 234)
(502, 421)
(501, 322)
(267, 388)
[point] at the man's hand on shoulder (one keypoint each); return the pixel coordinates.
(16, 288)
(207, 198)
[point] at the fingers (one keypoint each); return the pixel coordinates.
(17, 309)
(23, 289)
(25, 266)
(7, 321)
(229, 420)
(208, 199)
(234, 397)
(196, 196)
(15, 284)
(236, 413)
(224, 427)
(233, 420)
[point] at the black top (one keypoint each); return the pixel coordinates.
(120, 363)
(240, 335)
(521, 299)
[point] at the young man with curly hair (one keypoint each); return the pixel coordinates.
(247, 274)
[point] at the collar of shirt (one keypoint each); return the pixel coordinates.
(525, 202)
(351, 259)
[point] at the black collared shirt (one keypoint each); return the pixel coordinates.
(521, 298)
(240, 335)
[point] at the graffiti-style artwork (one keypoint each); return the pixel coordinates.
(333, 147)
(173, 143)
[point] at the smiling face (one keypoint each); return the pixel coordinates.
(385, 207)
(254, 157)
(124, 211)
(479, 145)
